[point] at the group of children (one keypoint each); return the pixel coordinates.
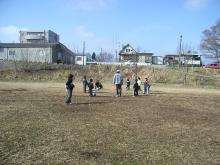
(86, 84)
(90, 85)
(98, 85)
(137, 86)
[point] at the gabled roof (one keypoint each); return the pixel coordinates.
(123, 51)
(133, 52)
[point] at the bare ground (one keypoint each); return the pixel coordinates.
(170, 126)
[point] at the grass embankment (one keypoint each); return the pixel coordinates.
(196, 77)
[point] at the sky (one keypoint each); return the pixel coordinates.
(148, 25)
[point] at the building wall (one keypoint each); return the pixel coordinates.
(27, 54)
(38, 36)
(141, 59)
(62, 55)
(132, 57)
(79, 60)
(157, 60)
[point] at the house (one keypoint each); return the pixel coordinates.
(37, 46)
(86, 59)
(128, 53)
(189, 59)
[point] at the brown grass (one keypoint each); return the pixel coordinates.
(173, 125)
(194, 77)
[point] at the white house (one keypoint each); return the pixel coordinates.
(81, 59)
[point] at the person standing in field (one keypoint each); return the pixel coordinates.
(139, 83)
(136, 87)
(85, 84)
(146, 86)
(118, 81)
(91, 86)
(69, 88)
(128, 84)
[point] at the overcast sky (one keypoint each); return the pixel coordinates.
(149, 25)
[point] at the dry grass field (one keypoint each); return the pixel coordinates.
(173, 125)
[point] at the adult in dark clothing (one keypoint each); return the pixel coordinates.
(91, 86)
(136, 88)
(69, 88)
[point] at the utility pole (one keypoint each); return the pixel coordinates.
(180, 51)
(101, 57)
(136, 66)
(84, 47)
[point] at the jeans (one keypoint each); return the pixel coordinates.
(146, 89)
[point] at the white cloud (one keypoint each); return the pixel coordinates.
(9, 33)
(90, 5)
(196, 4)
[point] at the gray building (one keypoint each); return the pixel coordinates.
(37, 52)
(37, 46)
(40, 36)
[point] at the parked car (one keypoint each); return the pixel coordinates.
(213, 66)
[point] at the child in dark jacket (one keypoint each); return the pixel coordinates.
(136, 88)
(98, 85)
(128, 84)
(91, 86)
(85, 84)
(69, 88)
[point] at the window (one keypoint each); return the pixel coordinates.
(78, 58)
(128, 50)
(11, 52)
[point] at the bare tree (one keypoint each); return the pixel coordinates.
(211, 40)
(105, 57)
